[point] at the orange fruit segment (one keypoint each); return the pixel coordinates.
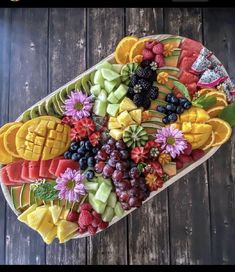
(209, 142)
(123, 49)
(214, 112)
(9, 139)
(5, 127)
(217, 94)
(221, 129)
(138, 58)
(206, 91)
(137, 48)
(5, 157)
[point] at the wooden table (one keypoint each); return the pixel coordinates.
(192, 222)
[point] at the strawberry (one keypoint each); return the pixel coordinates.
(159, 59)
(184, 158)
(151, 144)
(179, 164)
(74, 135)
(85, 127)
(139, 154)
(82, 230)
(95, 138)
(85, 206)
(85, 218)
(103, 225)
(72, 216)
(150, 44)
(92, 230)
(188, 149)
(197, 154)
(158, 49)
(147, 54)
(154, 167)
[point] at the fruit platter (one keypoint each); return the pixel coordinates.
(106, 142)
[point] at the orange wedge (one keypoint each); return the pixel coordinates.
(5, 127)
(214, 112)
(205, 91)
(217, 94)
(221, 129)
(123, 49)
(137, 48)
(209, 142)
(138, 58)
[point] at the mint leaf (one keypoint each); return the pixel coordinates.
(46, 191)
(183, 89)
(228, 114)
(205, 102)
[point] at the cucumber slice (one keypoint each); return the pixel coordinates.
(91, 186)
(103, 192)
(108, 214)
(104, 64)
(118, 209)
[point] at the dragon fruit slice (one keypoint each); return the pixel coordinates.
(205, 52)
(214, 61)
(228, 88)
(210, 79)
(200, 65)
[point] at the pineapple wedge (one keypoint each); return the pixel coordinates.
(45, 228)
(55, 213)
(136, 115)
(24, 215)
(125, 119)
(112, 125)
(127, 104)
(35, 218)
(64, 214)
(65, 229)
(116, 133)
(51, 235)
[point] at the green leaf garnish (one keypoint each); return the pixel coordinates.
(183, 89)
(205, 102)
(228, 114)
(46, 191)
(141, 166)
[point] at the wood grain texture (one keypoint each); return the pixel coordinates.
(147, 244)
(222, 165)
(67, 50)
(109, 247)
(28, 83)
(5, 24)
(188, 197)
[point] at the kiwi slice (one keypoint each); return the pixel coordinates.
(34, 113)
(26, 116)
(50, 108)
(42, 109)
(60, 102)
(127, 71)
(63, 95)
(92, 75)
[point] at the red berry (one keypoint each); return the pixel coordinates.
(82, 230)
(85, 206)
(159, 59)
(103, 225)
(179, 164)
(158, 49)
(72, 216)
(85, 218)
(147, 54)
(197, 154)
(96, 215)
(150, 44)
(188, 149)
(92, 230)
(96, 221)
(184, 158)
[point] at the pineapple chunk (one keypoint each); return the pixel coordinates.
(116, 133)
(112, 119)
(51, 235)
(64, 214)
(125, 119)
(127, 104)
(112, 125)
(23, 216)
(36, 217)
(45, 228)
(136, 115)
(65, 229)
(55, 213)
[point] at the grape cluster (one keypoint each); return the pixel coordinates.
(113, 162)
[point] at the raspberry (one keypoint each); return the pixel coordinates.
(92, 230)
(184, 158)
(179, 164)
(96, 215)
(159, 59)
(158, 49)
(96, 221)
(147, 54)
(188, 149)
(103, 225)
(85, 218)
(150, 44)
(85, 206)
(82, 230)
(197, 154)
(72, 217)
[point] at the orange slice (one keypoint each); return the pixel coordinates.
(214, 112)
(137, 48)
(209, 142)
(5, 157)
(123, 49)
(5, 127)
(138, 58)
(217, 94)
(9, 139)
(221, 129)
(205, 91)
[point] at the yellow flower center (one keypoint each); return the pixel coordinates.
(170, 140)
(168, 50)
(70, 184)
(78, 106)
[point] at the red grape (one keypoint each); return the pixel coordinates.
(99, 166)
(120, 166)
(124, 154)
(102, 155)
(115, 155)
(112, 163)
(108, 171)
(134, 173)
(124, 197)
(117, 175)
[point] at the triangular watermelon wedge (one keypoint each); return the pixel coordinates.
(44, 169)
(34, 167)
(14, 171)
(4, 177)
(25, 172)
(54, 165)
(64, 164)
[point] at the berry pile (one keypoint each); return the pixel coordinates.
(173, 107)
(141, 89)
(83, 152)
(154, 51)
(113, 162)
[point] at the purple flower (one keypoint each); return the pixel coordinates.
(70, 185)
(78, 105)
(171, 140)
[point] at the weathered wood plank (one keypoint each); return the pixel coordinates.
(105, 29)
(5, 22)
(188, 197)
(148, 237)
(28, 83)
(219, 37)
(67, 49)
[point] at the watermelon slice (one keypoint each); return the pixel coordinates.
(34, 167)
(187, 78)
(14, 171)
(4, 177)
(25, 172)
(191, 45)
(54, 165)
(44, 169)
(192, 88)
(64, 164)
(186, 63)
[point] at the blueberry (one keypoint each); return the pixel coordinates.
(88, 145)
(187, 105)
(91, 161)
(82, 143)
(74, 146)
(172, 117)
(182, 100)
(179, 109)
(76, 157)
(90, 174)
(68, 155)
(161, 109)
(87, 155)
(165, 120)
(174, 100)
(168, 97)
(171, 107)
(81, 151)
(95, 150)
(83, 163)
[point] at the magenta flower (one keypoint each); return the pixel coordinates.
(78, 105)
(171, 140)
(70, 185)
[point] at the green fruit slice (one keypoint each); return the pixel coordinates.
(56, 105)
(63, 95)
(42, 109)
(86, 84)
(34, 113)
(26, 116)
(92, 75)
(127, 71)
(50, 108)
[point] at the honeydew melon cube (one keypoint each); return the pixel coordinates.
(98, 78)
(112, 200)
(95, 89)
(101, 179)
(97, 205)
(104, 64)
(108, 214)
(113, 109)
(112, 98)
(121, 91)
(103, 192)
(109, 74)
(116, 133)
(91, 186)
(117, 67)
(102, 96)
(100, 108)
(118, 209)
(109, 85)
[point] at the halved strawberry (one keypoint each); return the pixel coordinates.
(68, 120)
(85, 127)
(139, 154)
(95, 138)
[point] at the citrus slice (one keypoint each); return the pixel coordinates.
(205, 91)
(220, 102)
(215, 111)
(138, 58)
(9, 139)
(5, 127)
(123, 49)
(217, 94)
(209, 142)
(221, 129)
(137, 48)
(5, 157)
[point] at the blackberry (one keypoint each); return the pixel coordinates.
(137, 88)
(138, 99)
(153, 92)
(145, 73)
(146, 85)
(140, 72)
(146, 103)
(145, 63)
(133, 80)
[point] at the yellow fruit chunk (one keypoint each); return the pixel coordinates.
(51, 235)
(195, 128)
(136, 115)
(127, 105)
(5, 157)
(221, 129)
(194, 114)
(5, 127)
(112, 125)
(209, 142)
(55, 211)
(65, 229)
(35, 218)
(214, 112)
(138, 58)
(23, 217)
(125, 119)
(9, 139)
(45, 228)
(116, 133)
(64, 214)
(123, 49)
(137, 48)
